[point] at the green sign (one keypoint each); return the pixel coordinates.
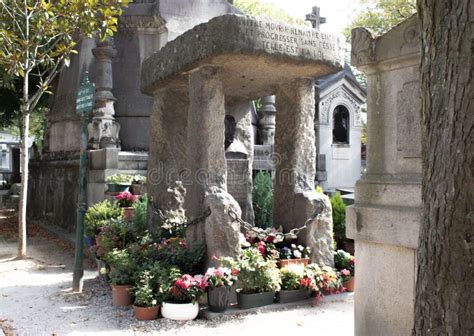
(85, 96)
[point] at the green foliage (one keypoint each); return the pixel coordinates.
(338, 216)
(173, 225)
(140, 219)
(122, 267)
(343, 260)
(257, 8)
(256, 275)
(188, 257)
(383, 16)
(262, 195)
(117, 234)
(145, 296)
(99, 215)
(290, 280)
(123, 179)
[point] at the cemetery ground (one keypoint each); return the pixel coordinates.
(36, 299)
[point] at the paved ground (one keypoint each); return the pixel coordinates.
(35, 299)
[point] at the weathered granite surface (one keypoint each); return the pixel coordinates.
(385, 219)
(252, 52)
(232, 59)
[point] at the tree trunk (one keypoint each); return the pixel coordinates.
(24, 177)
(444, 303)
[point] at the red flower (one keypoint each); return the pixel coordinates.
(235, 272)
(261, 248)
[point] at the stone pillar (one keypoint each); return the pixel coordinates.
(266, 130)
(167, 156)
(385, 220)
(104, 130)
(206, 160)
(295, 197)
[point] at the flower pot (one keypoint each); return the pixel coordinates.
(218, 298)
(246, 301)
(122, 295)
(128, 213)
(285, 296)
(117, 188)
(349, 285)
(146, 313)
(89, 241)
(282, 263)
(180, 311)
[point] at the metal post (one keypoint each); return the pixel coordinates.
(84, 104)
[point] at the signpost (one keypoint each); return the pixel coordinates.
(84, 105)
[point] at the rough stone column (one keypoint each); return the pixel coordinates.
(385, 219)
(104, 130)
(167, 152)
(295, 198)
(266, 129)
(206, 160)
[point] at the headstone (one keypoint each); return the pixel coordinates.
(216, 64)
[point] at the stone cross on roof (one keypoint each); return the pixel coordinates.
(315, 19)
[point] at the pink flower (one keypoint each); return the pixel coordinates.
(261, 248)
(214, 258)
(345, 272)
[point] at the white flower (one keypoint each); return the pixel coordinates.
(293, 246)
(297, 254)
(301, 248)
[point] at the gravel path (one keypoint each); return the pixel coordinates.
(36, 299)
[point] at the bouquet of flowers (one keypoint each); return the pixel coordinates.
(125, 199)
(344, 261)
(188, 289)
(295, 252)
(220, 276)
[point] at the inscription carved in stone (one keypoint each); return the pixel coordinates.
(409, 121)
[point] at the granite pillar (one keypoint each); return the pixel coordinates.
(295, 197)
(385, 219)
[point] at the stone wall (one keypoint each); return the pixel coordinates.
(384, 222)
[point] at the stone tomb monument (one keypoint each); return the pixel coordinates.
(222, 64)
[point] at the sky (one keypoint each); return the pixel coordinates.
(338, 13)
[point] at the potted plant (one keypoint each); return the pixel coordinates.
(326, 279)
(345, 263)
(294, 255)
(146, 304)
(138, 186)
(125, 200)
(258, 277)
(182, 304)
(98, 216)
(122, 268)
(295, 286)
(219, 280)
(118, 182)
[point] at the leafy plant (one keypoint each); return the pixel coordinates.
(290, 280)
(122, 179)
(173, 225)
(338, 216)
(188, 257)
(295, 252)
(344, 261)
(220, 276)
(188, 289)
(145, 295)
(125, 199)
(122, 266)
(262, 196)
(140, 219)
(255, 274)
(117, 234)
(138, 179)
(99, 215)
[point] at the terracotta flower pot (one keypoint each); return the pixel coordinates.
(349, 285)
(146, 313)
(282, 263)
(122, 295)
(218, 298)
(180, 311)
(128, 213)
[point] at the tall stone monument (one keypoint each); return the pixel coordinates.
(385, 220)
(217, 62)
